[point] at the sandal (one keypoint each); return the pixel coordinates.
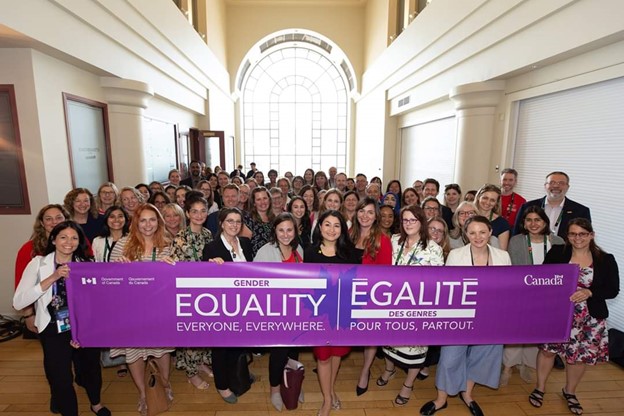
(400, 400)
(573, 404)
(122, 372)
(536, 398)
(384, 381)
(198, 382)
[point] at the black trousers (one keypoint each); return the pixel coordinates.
(224, 365)
(277, 361)
(58, 356)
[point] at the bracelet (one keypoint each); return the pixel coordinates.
(28, 316)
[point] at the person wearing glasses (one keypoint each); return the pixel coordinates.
(412, 247)
(431, 207)
(589, 344)
(227, 246)
(431, 187)
(458, 238)
(559, 209)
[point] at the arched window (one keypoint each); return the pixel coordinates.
(295, 89)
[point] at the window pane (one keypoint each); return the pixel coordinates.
(295, 112)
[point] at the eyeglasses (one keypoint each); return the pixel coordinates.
(434, 230)
(431, 208)
(556, 183)
(466, 213)
(411, 221)
(108, 192)
(234, 222)
(582, 234)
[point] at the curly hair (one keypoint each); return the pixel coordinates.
(71, 197)
(39, 236)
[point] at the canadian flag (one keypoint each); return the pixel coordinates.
(89, 281)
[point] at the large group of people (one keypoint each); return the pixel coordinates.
(315, 218)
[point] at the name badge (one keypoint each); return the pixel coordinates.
(62, 320)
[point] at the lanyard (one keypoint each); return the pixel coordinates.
(108, 250)
(472, 258)
(411, 258)
(531, 248)
(556, 226)
(154, 254)
(510, 206)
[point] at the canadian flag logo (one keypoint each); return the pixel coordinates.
(89, 281)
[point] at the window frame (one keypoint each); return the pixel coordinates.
(24, 208)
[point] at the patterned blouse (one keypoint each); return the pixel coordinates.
(416, 256)
(189, 246)
(261, 233)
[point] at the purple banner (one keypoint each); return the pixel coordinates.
(268, 304)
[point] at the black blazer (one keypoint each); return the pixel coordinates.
(606, 282)
(571, 210)
(216, 248)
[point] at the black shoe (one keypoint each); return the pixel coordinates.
(361, 390)
(474, 408)
(421, 376)
(429, 408)
(559, 365)
(102, 412)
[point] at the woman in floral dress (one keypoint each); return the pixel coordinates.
(589, 344)
(188, 245)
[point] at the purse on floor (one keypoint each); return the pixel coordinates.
(408, 355)
(155, 394)
(290, 388)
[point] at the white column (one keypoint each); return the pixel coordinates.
(126, 101)
(475, 106)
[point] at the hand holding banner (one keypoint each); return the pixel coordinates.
(270, 304)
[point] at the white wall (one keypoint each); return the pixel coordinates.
(535, 46)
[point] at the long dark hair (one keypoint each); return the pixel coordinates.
(305, 225)
(585, 224)
(535, 209)
(106, 230)
(373, 242)
(283, 217)
(82, 251)
(424, 229)
(344, 246)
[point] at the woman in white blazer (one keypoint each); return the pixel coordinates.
(462, 366)
(43, 283)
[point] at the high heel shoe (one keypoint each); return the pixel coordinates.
(401, 400)
(361, 390)
(381, 382)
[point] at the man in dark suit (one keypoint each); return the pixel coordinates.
(196, 175)
(559, 209)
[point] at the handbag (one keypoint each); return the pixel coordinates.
(155, 394)
(108, 362)
(290, 388)
(408, 355)
(240, 379)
